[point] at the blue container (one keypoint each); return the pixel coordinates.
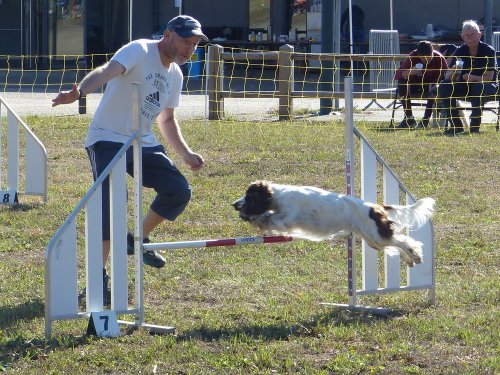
(195, 64)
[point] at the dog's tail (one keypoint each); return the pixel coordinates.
(411, 216)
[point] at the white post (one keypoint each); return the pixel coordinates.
(130, 19)
(138, 232)
(349, 163)
(1, 132)
(12, 152)
(351, 42)
(391, 14)
(178, 4)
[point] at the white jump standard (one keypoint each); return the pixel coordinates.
(25, 165)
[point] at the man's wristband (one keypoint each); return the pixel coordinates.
(80, 94)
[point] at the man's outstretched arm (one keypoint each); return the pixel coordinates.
(92, 81)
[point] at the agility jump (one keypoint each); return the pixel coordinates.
(28, 164)
(61, 273)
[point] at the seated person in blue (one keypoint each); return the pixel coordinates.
(417, 75)
(472, 78)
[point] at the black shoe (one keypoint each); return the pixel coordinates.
(150, 258)
(453, 131)
(407, 123)
(423, 124)
(106, 292)
(456, 126)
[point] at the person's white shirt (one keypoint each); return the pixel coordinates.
(160, 88)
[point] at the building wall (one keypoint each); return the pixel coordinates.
(10, 27)
(107, 20)
(409, 17)
(218, 13)
(145, 22)
(215, 15)
(150, 17)
(106, 25)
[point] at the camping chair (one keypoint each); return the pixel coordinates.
(418, 101)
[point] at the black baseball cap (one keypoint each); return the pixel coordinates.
(186, 26)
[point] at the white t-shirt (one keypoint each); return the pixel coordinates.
(160, 88)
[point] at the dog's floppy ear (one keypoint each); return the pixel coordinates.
(258, 198)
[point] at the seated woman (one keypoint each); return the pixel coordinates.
(473, 78)
(419, 72)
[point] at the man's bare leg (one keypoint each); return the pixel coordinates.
(151, 221)
(106, 248)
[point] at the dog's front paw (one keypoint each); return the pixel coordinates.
(411, 257)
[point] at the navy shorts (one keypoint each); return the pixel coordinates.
(158, 172)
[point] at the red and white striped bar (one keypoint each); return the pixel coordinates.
(217, 242)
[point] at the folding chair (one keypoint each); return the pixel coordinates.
(419, 101)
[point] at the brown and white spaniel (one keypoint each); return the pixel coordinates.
(316, 214)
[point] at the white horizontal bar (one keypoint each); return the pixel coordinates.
(217, 242)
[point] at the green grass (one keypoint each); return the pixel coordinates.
(255, 309)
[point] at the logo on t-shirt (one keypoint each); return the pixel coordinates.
(151, 106)
(156, 94)
(154, 98)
